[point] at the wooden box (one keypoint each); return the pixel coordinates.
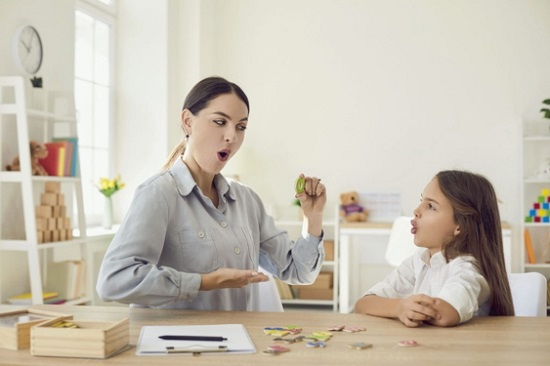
(308, 293)
(323, 281)
(90, 339)
(329, 250)
(15, 326)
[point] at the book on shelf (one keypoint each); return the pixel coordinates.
(67, 161)
(55, 301)
(26, 298)
(68, 277)
(62, 159)
(54, 162)
(71, 160)
(529, 247)
(76, 276)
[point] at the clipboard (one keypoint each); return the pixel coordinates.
(237, 341)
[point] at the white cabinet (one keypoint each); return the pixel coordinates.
(22, 192)
(536, 197)
(294, 229)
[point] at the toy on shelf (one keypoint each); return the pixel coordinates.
(350, 209)
(52, 222)
(541, 209)
(38, 151)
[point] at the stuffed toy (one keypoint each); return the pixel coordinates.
(350, 209)
(38, 151)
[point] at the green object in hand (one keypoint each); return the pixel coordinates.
(300, 185)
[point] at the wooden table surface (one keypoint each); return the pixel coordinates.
(482, 341)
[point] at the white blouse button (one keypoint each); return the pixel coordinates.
(223, 224)
(237, 250)
(201, 234)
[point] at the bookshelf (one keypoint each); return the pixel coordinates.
(535, 194)
(47, 239)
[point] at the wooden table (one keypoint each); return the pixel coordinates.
(483, 341)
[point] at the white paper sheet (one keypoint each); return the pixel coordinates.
(238, 339)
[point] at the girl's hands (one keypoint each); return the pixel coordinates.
(416, 309)
(230, 278)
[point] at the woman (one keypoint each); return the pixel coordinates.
(193, 239)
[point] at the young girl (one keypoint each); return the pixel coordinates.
(461, 273)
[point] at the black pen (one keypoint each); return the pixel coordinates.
(192, 338)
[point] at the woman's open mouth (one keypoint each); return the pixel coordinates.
(223, 155)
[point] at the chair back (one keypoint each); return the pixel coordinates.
(528, 293)
(269, 295)
(401, 241)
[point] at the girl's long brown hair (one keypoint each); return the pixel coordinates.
(198, 98)
(475, 207)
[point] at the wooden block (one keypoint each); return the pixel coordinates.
(69, 234)
(43, 211)
(62, 211)
(56, 211)
(67, 224)
(15, 326)
(55, 235)
(92, 339)
(62, 235)
(47, 236)
(60, 223)
(39, 236)
(51, 223)
(329, 250)
(53, 187)
(48, 199)
(41, 224)
(60, 199)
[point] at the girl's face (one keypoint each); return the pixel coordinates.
(216, 133)
(433, 222)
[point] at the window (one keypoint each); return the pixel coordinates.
(93, 88)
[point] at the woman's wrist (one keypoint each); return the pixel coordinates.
(314, 224)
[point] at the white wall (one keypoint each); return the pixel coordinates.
(143, 114)
(381, 95)
(57, 68)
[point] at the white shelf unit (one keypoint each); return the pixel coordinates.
(294, 229)
(535, 152)
(17, 119)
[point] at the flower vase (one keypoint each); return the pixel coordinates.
(107, 221)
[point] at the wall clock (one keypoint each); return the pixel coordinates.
(28, 49)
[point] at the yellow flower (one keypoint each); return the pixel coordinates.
(109, 186)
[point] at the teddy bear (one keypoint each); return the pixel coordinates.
(38, 151)
(350, 209)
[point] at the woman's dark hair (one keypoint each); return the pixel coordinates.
(199, 97)
(475, 208)
(210, 88)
